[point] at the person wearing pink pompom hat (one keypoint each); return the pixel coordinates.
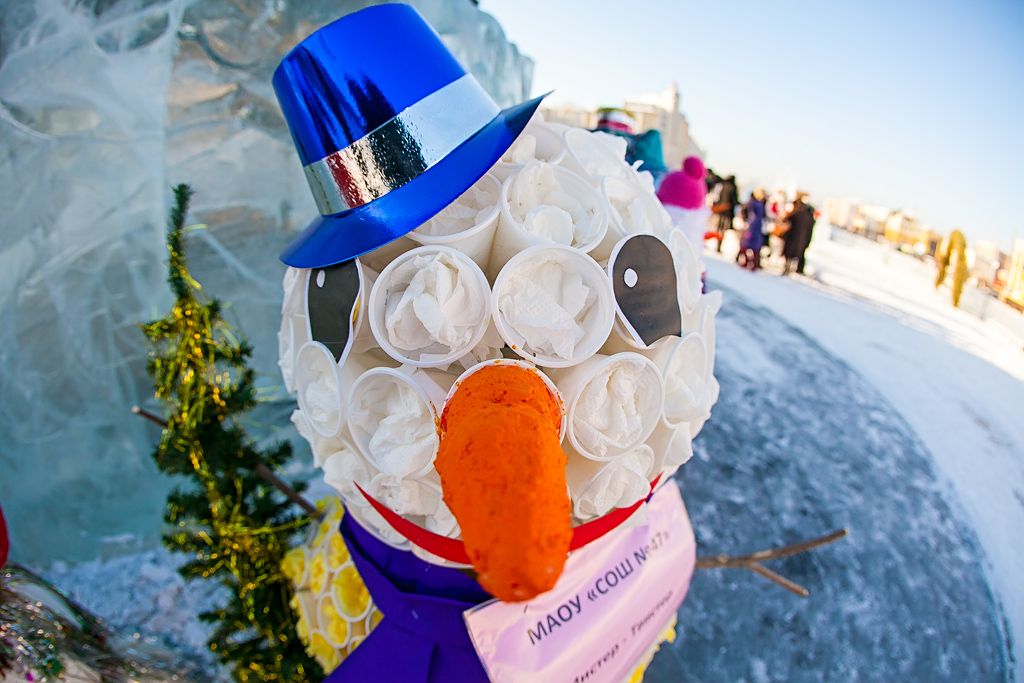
(682, 193)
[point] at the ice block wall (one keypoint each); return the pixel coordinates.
(104, 105)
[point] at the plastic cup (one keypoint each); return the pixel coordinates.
(583, 474)
(379, 258)
(591, 159)
(315, 364)
(573, 383)
(690, 347)
(475, 242)
(386, 286)
(362, 336)
(502, 170)
(655, 220)
(597, 322)
(349, 595)
(548, 144)
(368, 389)
(511, 238)
(333, 625)
(555, 393)
(671, 446)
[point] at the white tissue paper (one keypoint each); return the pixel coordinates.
(443, 522)
(343, 468)
(617, 484)
(322, 395)
(638, 211)
(611, 407)
(541, 205)
(690, 390)
(405, 496)
(435, 305)
(546, 301)
(321, 446)
(469, 210)
(522, 150)
(403, 438)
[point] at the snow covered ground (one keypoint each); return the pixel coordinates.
(854, 397)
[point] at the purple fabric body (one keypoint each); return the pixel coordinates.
(422, 638)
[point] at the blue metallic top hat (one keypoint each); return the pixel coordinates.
(389, 127)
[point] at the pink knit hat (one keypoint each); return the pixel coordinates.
(685, 188)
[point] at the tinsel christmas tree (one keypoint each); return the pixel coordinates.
(234, 524)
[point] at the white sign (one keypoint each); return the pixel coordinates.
(606, 610)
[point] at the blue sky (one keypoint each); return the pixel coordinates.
(916, 105)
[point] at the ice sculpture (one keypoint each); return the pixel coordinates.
(105, 105)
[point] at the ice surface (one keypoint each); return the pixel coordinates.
(103, 106)
(800, 444)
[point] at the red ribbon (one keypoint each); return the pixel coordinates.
(454, 550)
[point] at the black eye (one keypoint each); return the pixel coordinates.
(648, 307)
(330, 297)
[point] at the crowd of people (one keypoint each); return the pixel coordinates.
(760, 219)
(769, 226)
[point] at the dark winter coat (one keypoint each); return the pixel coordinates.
(753, 214)
(728, 195)
(801, 221)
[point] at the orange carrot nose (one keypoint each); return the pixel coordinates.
(503, 476)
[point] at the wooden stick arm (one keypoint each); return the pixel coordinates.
(753, 560)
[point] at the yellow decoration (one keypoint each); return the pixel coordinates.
(337, 552)
(294, 565)
(317, 574)
(350, 591)
(334, 627)
(334, 612)
(324, 653)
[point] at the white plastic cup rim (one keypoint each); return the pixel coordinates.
(593, 339)
(361, 437)
(446, 240)
(613, 453)
(302, 382)
(583, 190)
(376, 312)
(525, 365)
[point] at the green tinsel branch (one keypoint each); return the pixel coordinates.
(230, 520)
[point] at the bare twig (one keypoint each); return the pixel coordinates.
(265, 472)
(753, 560)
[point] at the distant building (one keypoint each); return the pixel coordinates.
(655, 111)
(881, 224)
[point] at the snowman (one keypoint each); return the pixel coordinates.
(500, 352)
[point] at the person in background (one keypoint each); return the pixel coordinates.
(682, 194)
(644, 147)
(800, 222)
(725, 207)
(753, 238)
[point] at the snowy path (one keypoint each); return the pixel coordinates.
(956, 414)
